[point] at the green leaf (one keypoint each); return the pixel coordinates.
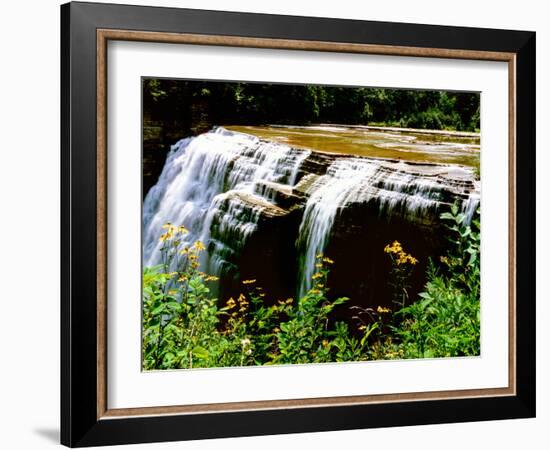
(200, 352)
(368, 333)
(340, 300)
(176, 306)
(447, 216)
(158, 310)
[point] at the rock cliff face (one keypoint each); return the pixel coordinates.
(265, 210)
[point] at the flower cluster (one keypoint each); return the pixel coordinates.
(288, 301)
(401, 257)
(172, 231)
(241, 305)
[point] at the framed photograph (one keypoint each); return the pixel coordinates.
(277, 224)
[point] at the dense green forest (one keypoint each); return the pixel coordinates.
(196, 105)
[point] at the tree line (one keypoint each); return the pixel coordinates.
(197, 105)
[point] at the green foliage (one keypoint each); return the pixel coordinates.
(445, 321)
(305, 336)
(402, 266)
(178, 317)
(188, 103)
(185, 327)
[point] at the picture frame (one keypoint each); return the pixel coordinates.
(86, 29)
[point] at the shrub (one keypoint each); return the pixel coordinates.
(184, 326)
(445, 322)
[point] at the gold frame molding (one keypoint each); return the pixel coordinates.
(105, 35)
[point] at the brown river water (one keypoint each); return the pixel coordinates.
(374, 142)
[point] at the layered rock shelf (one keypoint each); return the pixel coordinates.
(265, 209)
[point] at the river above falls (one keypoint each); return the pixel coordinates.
(376, 142)
(264, 206)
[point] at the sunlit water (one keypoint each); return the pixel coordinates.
(199, 177)
(457, 148)
(218, 184)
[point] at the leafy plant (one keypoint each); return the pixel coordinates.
(445, 321)
(184, 326)
(402, 266)
(306, 335)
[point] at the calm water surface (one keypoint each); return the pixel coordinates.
(405, 144)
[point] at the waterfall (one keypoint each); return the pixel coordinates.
(210, 181)
(220, 184)
(396, 189)
(469, 207)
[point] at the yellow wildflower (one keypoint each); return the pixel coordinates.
(231, 303)
(382, 310)
(172, 292)
(319, 255)
(402, 258)
(328, 260)
(319, 265)
(182, 278)
(170, 229)
(395, 248)
(182, 230)
(249, 281)
(317, 275)
(199, 246)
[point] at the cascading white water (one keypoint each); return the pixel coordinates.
(204, 179)
(220, 183)
(360, 180)
(470, 206)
